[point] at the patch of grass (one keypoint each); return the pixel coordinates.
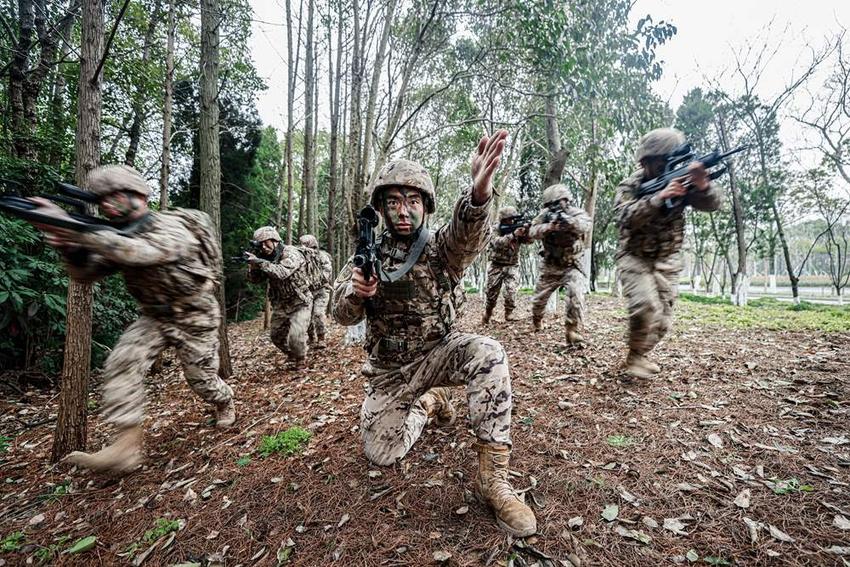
(244, 461)
(712, 560)
(12, 542)
(161, 528)
(49, 553)
(790, 486)
(4, 444)
(57, 492)
(527, 420)
(763, 313)
(620, 441)
(288, 442)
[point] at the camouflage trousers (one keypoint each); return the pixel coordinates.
(504, 278)
(552, 278)
(289, 328)
(392, 416)
(651, 288)
(135, 352)
(318, 327)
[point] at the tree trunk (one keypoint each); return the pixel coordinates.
(58, 112)
(308, 187)
(139, 96)
(741, 281)
(167, 108)
(786, 253)
(71, 421)
(210, 191)
(334, 79)
(354, 166)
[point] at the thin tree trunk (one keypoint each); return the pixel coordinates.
(139, 96)
(740, 283)
(334, 80)
(354, 166)
(58, 112)
(557, 156)
(308, 187)
(71, 421)
(167, 109)
(210, 159)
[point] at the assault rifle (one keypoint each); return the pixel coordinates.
(254, 248)
(509, 225)
(676, 166)
(14, 204)
(365, 255)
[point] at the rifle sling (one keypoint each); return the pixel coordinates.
(412, 257)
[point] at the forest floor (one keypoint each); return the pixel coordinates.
(738, 453)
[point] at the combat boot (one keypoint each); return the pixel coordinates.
(574, 338)
(123, 456)
(509, 315)
(488, 312)
(537, 322)
(438, 404)
(493, 488)
(651, 366)
(225, 414)
(635, 366)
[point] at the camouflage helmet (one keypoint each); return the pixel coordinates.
(309, 241)
(404, 173)
(507, 212)
(266, 233)
(108, 179)
(659, 142)
(555, 193)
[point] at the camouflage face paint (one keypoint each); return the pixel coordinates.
(404, 210)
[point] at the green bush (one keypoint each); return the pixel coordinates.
(288, 442)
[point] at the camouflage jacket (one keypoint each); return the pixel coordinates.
(161, 261)
(504, 250)
(562, 247)
(327, 264)
(407, 318)
(648, 229)
(288, 275)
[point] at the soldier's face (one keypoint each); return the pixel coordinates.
(268, 246)
(403, 209)
(122, 205)
(653, 166)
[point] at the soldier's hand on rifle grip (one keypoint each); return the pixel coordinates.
(362, 288)
(698, 176)
(674, 189)
(521, 232)
(252, 259)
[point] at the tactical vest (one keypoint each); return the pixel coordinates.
(410, 316)
(503, 251)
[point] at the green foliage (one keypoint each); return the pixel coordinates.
(790, 486)
(56, 492)
(620, 441)
(12, 542)
(50, 552)
(288, 442)
(83, 545)
(712, 560)
(162, 527)
(764, 313)
(4, 444)
(244, 461)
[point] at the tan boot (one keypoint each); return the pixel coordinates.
(493, 488)
(574, 338)
(635, 366)
(438, 404)
(122, 457)
(509, 315)
(225, 414)
(651, 366)
(488, 312)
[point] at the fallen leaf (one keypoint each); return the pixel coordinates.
(462, 510)
(442, 556)
(675, 525)
(715, 440)
(343, 520)
(610, 512)
(753, 528)
(649, 522)
(36, 520)
(838, 550)
(779, 535)
(841, 522)
(575, 522)
(743, 499)
(692, 555)
(83, 545)
(636, 535)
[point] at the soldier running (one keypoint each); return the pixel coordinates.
(292, 273)
(502, 274)
(563, 230)
(413, 348)
(321, 294)
(170, 263)
(651, 236)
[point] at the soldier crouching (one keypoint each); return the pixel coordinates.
(651, 236)
(413, 350)
(170, 263)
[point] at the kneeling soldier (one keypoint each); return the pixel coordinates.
(414, 351)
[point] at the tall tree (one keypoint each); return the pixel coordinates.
(210, 166)
(167, 110)
(71, 422)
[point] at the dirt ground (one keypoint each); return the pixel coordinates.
(738, 453)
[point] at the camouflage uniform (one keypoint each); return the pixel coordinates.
(503, 271)
(561, 264)
(321, 292)
(412, 345)
(290, 295)
(651, 237)
(165, 271)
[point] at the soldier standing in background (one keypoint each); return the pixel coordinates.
(413, 349)
(502, 274)
(651, 236)
(291, 272)
(563, 229)
(321, 294)
(170, 263)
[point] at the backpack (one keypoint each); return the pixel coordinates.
(313, 272)
(200, 225)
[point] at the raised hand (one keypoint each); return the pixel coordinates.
(484, 164)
